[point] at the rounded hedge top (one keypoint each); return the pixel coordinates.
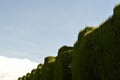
(49, 59)
(117, 10)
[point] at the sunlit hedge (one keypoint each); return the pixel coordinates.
(94, 56)
(97, 54)
(62, 65)
(47, 69)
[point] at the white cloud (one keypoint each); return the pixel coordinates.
(12, 68)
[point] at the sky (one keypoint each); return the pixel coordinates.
(33, 29)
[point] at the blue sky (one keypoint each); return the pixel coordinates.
(35, 29)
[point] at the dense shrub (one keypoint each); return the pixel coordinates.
(47, 69)
(96, 55)
(62, 65)
(34, 75)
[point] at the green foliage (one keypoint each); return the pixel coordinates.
(95, 55)
(49, 59)
(62, 65)
(117, 10)
(34, 75)
(39, 66)
(47, 69)
(19, 78)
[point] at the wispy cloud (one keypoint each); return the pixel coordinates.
(12, 68)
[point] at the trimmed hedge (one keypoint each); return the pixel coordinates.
(97, 54)
(94, 56)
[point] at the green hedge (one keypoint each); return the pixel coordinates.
(62, 65)
(97, 54)
(94, 56)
